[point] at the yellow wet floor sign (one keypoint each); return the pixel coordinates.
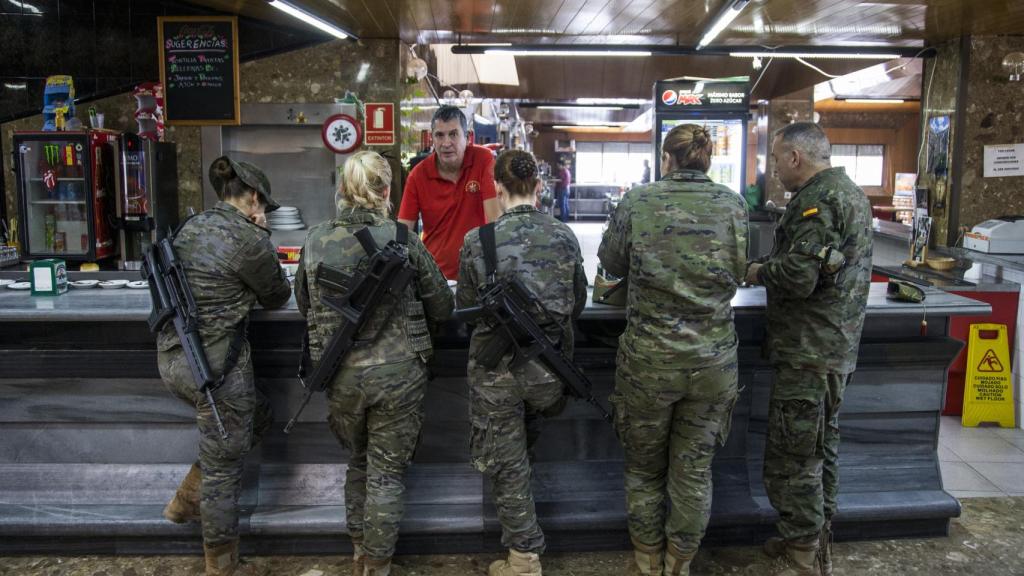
(988, 393)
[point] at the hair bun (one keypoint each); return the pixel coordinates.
(523, 166)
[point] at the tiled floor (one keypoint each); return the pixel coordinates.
(980, 462)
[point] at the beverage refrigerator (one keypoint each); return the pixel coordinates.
(722, 107)
(66, 186)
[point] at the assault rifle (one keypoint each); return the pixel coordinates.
(506, 305)
(173, 301)
(387, 273)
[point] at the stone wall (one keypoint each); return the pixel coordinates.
(994, 114)
(317, 74)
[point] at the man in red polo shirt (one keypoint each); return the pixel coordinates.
(452, 189)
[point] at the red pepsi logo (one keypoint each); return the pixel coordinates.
(668, 97)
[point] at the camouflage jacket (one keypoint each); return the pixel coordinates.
(682, 243)
(231, 265)
(545, 256)
(398, 329)
(815, 319)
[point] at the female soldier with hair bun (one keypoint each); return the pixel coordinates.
(375, 401)
(682, 244)
(230, 265)
(543, 253)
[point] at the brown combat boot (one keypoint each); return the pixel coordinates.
(184, 507)
(677, 563)
(825, 548)
(222, 560)
(647, 560)
(358, 558)
(800, 559)
(517, 564)
(376, 566)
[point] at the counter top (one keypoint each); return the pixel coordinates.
(126, 305)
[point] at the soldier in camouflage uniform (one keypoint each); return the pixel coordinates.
(543, 253)
(231, 265)
(681, 243)
(817, 278)
(376, 399)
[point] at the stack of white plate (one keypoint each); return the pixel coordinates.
(285, 218)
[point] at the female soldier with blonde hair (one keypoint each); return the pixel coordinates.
(375, 401)
(682, 244)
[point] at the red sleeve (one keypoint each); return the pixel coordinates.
(487, 190)
(410, 207)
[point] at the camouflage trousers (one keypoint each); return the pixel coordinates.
(801, 462)
(247, 417)
(504, 411)
(376, 412)
(671, 423)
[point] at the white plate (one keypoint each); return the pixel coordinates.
(299, 226)
(283, 209)
(84, 283)
(284, 219)
(138, 284)
(20, 286)
(113, 284)
(6, 281)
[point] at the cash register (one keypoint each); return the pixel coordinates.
(1004, 235)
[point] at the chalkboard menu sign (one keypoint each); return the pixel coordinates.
(199, 69)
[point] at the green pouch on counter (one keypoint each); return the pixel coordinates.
(905, 291)
(609, 291)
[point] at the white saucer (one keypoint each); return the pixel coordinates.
(84, 283)
(273, 218)
(282, 209)
(298, 226)
(138, 284)
(6, 282)
(113, 284)
(20, 286)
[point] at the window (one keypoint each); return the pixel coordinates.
(863, 162)
(611, 162)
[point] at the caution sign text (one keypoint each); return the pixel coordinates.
(988, 394)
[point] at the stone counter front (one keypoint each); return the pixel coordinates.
(94, 445)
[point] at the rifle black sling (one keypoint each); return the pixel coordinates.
(490, 251)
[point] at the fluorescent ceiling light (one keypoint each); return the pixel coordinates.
(611, 101)
(873, 101)
(722, 21)
(310, 19)
(835, 55)
(516, 52)
(579, 107)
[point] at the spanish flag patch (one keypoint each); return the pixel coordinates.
(810, 212)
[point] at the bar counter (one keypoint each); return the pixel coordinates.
(93, 445)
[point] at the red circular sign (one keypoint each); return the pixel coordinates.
(341, 134)
(668, 97)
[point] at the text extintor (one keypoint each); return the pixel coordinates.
(380, 124)
(988, 395)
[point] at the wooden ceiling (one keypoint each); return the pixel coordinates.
(762, 22)
(838, 23)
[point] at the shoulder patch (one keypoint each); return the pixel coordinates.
(810, 211)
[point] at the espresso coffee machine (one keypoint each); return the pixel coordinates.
(147, 205)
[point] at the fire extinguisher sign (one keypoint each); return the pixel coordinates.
(380, 124)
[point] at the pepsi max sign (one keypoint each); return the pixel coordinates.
(710, 95)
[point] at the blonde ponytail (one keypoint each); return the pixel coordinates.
(364, 179)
